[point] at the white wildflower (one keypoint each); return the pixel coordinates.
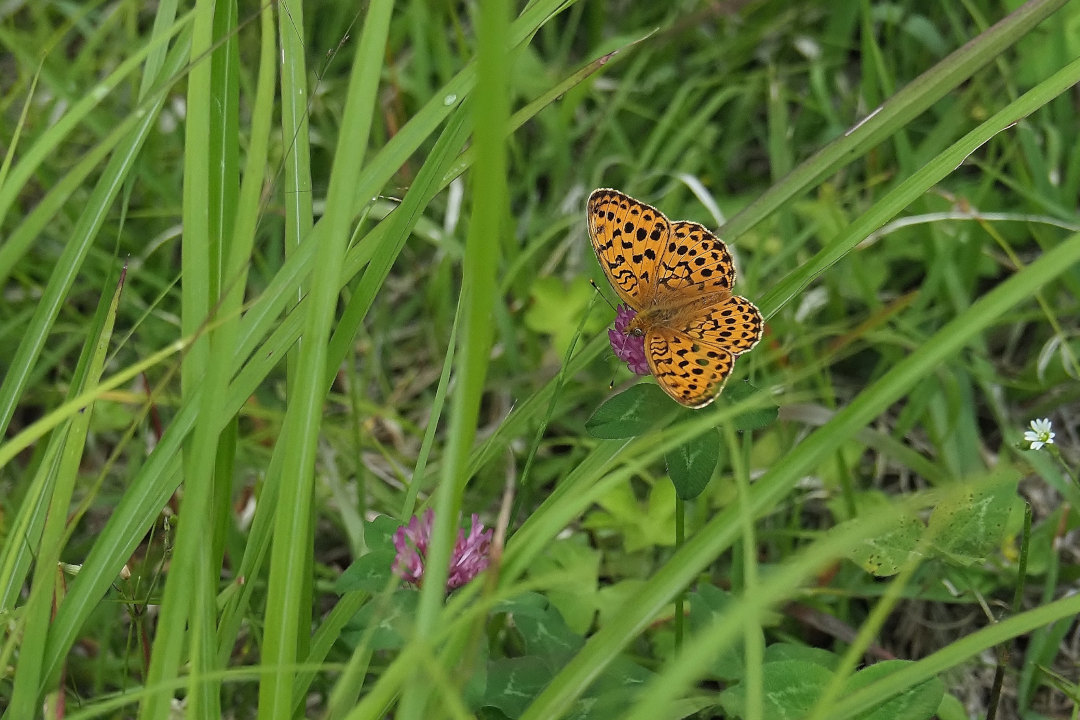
(1041, 433)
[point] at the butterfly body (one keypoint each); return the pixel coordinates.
(675, 310)
(678, 278)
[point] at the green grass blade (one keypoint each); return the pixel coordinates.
(30, 679)
(292, 527)
(189, 587)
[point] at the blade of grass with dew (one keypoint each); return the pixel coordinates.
(361, 301)
(364, 252)
(266, 310)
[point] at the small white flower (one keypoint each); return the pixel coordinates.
(1041, 433)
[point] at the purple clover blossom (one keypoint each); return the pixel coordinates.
(470, 557)
(471, 554)
(628, 348)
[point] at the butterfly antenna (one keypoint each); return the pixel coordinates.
(602, 295)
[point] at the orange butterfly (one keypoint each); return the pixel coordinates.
(678, 278)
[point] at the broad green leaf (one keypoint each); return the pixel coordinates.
(791, 689)
(542, 627)
(918, 702)
(885, 553)
(379, 532)
(369, 572)
(969, 526)
(576, 598)
(707, 605)
(512, 683)
(389, 621)
(691, 465)
(556, 310)
(633, 412)
(641, 524)
(803, 653)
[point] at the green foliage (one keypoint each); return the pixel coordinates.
(371, 571)
(630, 413)
(357, 288)
(885, 554)
(691, 464)
(546, 641)
(964, 529)
(794, 686)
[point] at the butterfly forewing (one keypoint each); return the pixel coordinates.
(695, 259)
(627, 236)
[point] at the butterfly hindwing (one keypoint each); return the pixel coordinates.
(735, 325)
(627, 237)
(691, 371)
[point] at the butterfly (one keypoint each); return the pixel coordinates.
(678, 278)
